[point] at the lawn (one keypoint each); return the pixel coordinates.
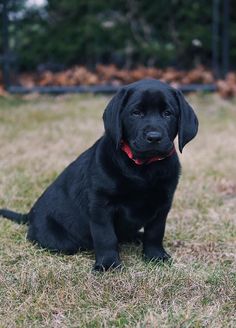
(39, 136)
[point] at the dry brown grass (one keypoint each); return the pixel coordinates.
(39, 136)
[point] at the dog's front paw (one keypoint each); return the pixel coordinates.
(156, 255)
(106, 264)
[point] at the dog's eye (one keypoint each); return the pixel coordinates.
(137, 113)
(166, 113)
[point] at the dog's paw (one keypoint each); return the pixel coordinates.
(105, 266)
(158, 255)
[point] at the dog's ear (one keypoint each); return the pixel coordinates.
(188, 122)
(112, 116)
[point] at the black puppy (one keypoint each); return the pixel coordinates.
(124, 182)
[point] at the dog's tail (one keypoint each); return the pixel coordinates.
(14, 216)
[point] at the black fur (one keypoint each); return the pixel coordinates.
(103, 197)
(16, 217)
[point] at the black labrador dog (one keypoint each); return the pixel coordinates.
(124, 182)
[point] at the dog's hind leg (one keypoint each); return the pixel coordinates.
(53, 236)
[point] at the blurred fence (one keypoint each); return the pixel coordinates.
(22, 25)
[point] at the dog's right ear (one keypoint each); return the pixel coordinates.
(112, 116)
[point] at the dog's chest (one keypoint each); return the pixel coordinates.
(140, 205)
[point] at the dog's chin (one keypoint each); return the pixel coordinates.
(145, 154)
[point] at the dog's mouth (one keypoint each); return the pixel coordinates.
(142, 153)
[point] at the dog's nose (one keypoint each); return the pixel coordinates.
(153, 136)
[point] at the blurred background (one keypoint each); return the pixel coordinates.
(62, 43)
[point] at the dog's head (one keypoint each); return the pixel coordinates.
(148, 115)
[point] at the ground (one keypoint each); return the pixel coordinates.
(39, 136)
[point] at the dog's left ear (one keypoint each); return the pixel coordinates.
(188, 122)
(112, 116)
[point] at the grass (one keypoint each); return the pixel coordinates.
(39, 136)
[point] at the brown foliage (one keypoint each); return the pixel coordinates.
(110, 74)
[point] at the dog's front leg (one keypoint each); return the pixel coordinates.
(104, 240)
(153, 237)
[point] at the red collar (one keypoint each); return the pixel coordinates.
(126, 148)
